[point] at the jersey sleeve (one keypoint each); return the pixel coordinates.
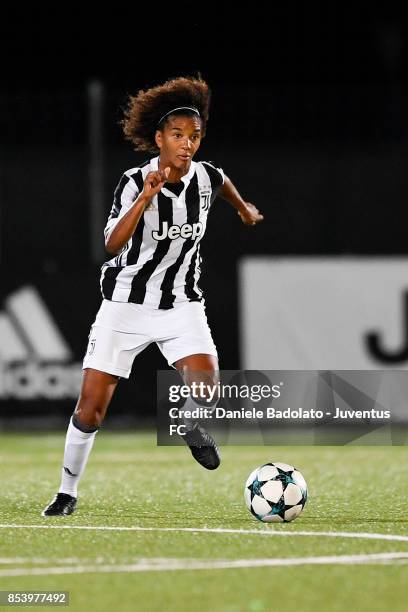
(215, 173)
(125, 194)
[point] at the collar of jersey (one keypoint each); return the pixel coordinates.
(154, 165)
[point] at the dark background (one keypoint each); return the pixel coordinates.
(308, 119)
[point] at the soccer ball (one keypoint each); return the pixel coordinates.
(275, 493)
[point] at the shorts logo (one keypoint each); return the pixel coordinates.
(187, 230)
(91, 346)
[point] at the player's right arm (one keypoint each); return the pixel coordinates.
(126, 226)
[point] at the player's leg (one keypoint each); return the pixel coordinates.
(201, 373)
(200, 368)
(117, 336)
(184, 338)
(96, 393)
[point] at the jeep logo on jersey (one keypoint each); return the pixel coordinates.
(187, 230)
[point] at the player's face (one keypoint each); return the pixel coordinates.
(179, 141)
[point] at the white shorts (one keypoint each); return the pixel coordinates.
(122, 330)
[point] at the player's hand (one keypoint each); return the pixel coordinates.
(250, 215)
(154, 182)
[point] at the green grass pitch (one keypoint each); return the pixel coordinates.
(129, 482)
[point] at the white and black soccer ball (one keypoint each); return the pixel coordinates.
(275, 493)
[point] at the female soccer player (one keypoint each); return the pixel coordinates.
(150, 285)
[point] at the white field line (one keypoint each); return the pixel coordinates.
(43, 560)
(196, 564)
(73, 560)
(264, 532)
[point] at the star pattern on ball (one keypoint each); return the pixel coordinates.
(275, 492)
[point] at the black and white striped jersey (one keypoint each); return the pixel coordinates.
(160, 265)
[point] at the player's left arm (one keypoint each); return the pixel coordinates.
(248, 212)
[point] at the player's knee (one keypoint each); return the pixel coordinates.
(90, 410)
(86, 427)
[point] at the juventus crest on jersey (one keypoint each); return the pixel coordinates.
(160, 265)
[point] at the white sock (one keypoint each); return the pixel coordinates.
(190, 406)
(78, 445)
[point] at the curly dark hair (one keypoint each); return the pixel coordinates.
(145, 109)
